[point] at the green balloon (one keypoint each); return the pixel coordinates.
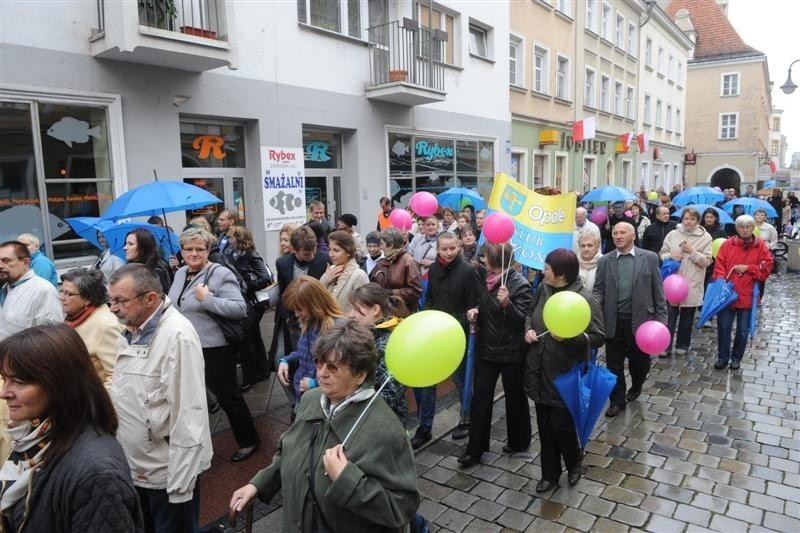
(716, 245)
(425, 349)
(566, 314)
(652, 195)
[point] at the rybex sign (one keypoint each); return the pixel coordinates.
(591, 146)
(280, 155)
(433, 152)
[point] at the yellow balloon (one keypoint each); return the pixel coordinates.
(425, 349)
(756, 231)
(716, 245)
(652, 195)
(566, 314)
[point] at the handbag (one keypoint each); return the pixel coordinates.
(268, 297)
(235, 330)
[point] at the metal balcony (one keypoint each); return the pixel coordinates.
(182, 34)
(406, 63)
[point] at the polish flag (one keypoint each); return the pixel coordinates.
(583, 129)
(626, 139)
(773, 167)
(643, 141)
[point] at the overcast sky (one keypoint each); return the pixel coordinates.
(772, 26)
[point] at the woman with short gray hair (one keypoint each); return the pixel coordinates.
(397, 272)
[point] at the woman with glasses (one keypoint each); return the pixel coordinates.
(202, 291)
(83, 298)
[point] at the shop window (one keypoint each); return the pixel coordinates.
(322, 149)
(212, 146)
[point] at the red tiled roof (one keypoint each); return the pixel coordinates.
(716, 36)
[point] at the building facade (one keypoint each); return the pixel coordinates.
(97, 97)
(729, 107)
(777, 140)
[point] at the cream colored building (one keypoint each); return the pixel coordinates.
(777, 140)
(729, 107)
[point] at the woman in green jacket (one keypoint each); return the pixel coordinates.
(369, 485)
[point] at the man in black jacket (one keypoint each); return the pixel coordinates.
(655, 233)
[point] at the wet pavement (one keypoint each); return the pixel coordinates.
(700, 449)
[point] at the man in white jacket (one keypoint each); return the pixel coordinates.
(158, 390)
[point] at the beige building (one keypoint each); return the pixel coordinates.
(729, 106)
(777, 140)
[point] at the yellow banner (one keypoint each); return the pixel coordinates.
(534, 211)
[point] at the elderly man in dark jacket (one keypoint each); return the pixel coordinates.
(656, 232)
(629, 289)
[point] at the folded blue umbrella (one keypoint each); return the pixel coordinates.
(719, 295)
(585, 388)
(609, 193)
(750, 206)
(724, 218)
(459, 197)
(754, 311)
(669, 267)
(466, 398)
(698, 195)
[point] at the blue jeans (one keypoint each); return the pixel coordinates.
(724, 330)
(426, 406)
(160, 516)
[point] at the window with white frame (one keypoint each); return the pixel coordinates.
(630, 103)
(776, 146)
(589, 89)
(589, 173)
(645, 174)
(648, 52)
(646, 117)
(562, 78)
(730, 84)
(516, 61)
(478, 40)
(348, 17)
(618, 98)
(677, 124)
(605, 23)
(727, 125)
(776, 124)
(518, 166)
(431, 18)
(605, 93)
(666, 175)
(658, 113)
(679, 74)
(540, 69)
(620, 32)
(676, 173)
(564, 7)
(671, 68)
(660, 60)
(632, 39)
(669, 118)
(591, 15)
(560, 172)
(626, 174)
(539, 170)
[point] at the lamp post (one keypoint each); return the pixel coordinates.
(790, 86)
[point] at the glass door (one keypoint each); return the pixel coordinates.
(325, 186)
(226, 185)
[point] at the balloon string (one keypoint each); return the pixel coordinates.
(364, 412)
(542, 334)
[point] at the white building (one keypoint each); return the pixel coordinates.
(97, 95)
(665, 52)
(777, 140)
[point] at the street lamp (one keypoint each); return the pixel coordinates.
(790, 86)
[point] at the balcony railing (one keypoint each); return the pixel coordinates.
(407, 53)
(201, 18)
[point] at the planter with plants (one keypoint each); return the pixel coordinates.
(398, 75)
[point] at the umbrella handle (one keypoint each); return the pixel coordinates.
(588, 349)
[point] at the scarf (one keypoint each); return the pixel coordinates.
(442, 262)
(341, 281)
(364, 393)
(390, 257)
(81, 317)
(29, 441)
(591, 263)
(493, 280)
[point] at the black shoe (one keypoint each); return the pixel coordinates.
(420, 438)
(614, 410)
(510, 449)
(719, 365)
(244, 387)
(214, 407)
(633, 394)
(574, 475)
(243, 453)
(544, 485)
(467, 460)
(735, 364)
(461, 432)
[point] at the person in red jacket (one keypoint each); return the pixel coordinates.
(744, 259)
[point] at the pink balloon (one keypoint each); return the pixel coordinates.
(629, 213)
(423, 203)
(652, 337)
(401, 219)
(498, 227)
(599, 214)
(676, 289)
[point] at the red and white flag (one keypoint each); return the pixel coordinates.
(773, 167)
(643, 141)
(583, 129)
(626, 139)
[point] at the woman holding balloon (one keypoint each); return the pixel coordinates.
(690, 244)
(550, 356)
(503, 306)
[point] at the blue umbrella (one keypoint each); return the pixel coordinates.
(609, 193)
(158, 198)
(669, 267)
(719, 295)
(754, 311)
(724, 218)
(750, 206)
(458, 197)
(769, 183)
(87, 227)
(585, 389)
(698, 195)
(466, 398)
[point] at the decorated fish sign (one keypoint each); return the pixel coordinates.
(71, 130)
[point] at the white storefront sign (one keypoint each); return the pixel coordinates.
(283, 185)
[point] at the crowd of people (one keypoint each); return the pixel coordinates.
(156, 340)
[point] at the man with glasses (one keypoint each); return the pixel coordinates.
(158, 390)
(26, 300)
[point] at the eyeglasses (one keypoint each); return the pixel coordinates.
(333, 369)
(122, 302)
(194, 249)
(67, 294)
